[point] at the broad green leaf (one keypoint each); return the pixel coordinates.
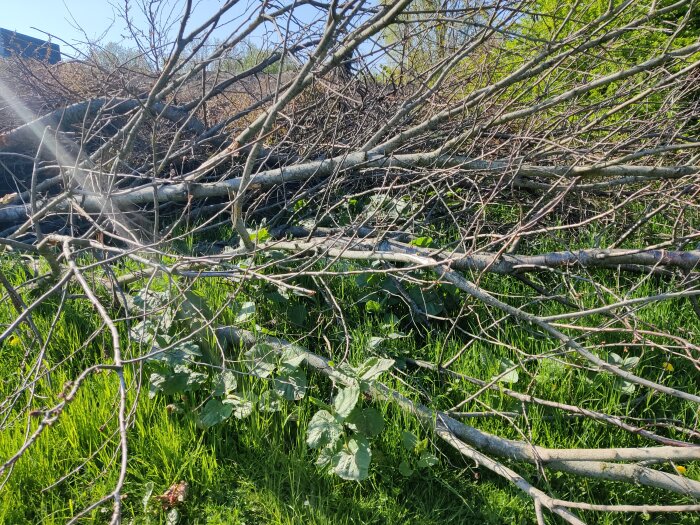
(409, 440)
(150, 300)
(630, 362)
(246, 312)
(261, 235)
(374, 342)
(509, 377)
(270, 401)
(427, 300)
(367, 421)
(291, 386)
(614, 359)
(373, 307)
(242, 408)
(361, 279)
(405, 469)
(293, 356)
(276, 297)
(261, 360)
(215, 412)
(625, 386)
(364, 280)
(297, 314)
(387, 207)
(374, 367)
(390, 287)
(195, 379)
(427, 460)
(143, 332)
(179, 354)
(193, 307)
(323, 429)
(422, 242)
(352, 462)
(164, 318)
(180, 380)
(346, 400)
(325, 457)
(346, 369)
(224, 383)
(161, 340)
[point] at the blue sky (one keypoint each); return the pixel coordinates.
(98, 18)
(75, 22)
(59, 17)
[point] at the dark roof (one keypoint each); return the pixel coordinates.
(13, 43)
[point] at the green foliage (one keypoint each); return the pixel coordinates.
(386, 297)
(627, 364)
(180, 369)
(246, 312)
(260, 235)
(352, 461)
(345, 401)
(215, 412)
(373, 307)
(422, 242)
(575, 23)
(508, 372)
(418, 455)
(342, 431)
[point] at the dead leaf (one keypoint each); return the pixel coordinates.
(174, 496)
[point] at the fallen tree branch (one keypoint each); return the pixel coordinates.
(580, 462)
(25, 137)
(499, 263)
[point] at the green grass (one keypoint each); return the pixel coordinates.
(254, 471)
(259, 470)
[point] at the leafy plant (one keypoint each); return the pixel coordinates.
(179, 367)
(419, 458)
(422, 242)
(627, 364)
(288, 380)
(260, 235)
(341, 431)
(508, 372)
(373, 307)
